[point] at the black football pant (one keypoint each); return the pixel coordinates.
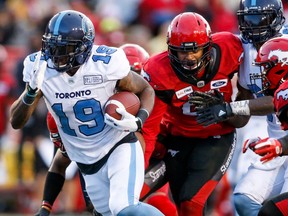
(195, 166)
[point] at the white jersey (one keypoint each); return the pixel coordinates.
(77, 102)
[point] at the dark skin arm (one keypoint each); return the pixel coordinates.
(284, 142)
(258, 106)
(137, 84)
(20, 112)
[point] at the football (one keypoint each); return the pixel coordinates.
(125, 99)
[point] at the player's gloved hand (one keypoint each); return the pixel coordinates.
(203, 100)
(248, 142)
(37, 71)
(128, 122)
(57, 141)
(268, 148)
(32, 87)
(214, 114)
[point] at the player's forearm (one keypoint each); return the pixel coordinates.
(284, 143)
(21, 112)
(238, 121)
(259, 107)
(147, 97)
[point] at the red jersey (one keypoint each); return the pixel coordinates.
(280, 101)
(172, 109)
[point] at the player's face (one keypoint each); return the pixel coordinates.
(190, 59)
(62, 53)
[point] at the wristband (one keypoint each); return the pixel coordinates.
(142, 115)
(30, 96)
(240, 107)
(31, 91)
(46, 205)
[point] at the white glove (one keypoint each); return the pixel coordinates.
(32, 88)
(38, 71)
(128, 122)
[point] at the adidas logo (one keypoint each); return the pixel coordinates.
(221, 113)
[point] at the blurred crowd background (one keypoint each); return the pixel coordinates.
(25, 154)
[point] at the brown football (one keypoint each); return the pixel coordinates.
(125, 99)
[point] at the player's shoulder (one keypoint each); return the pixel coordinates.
(228, 44)
(158, 71)
(109, 61)
(30, 58)
(29, 61)
(280, 101)
(282, 88)
(225, 38)
(157, 63)
(105, 52)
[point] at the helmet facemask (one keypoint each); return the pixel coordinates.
(271, 77)
(64, 54)
(189, 68)
(260, 21)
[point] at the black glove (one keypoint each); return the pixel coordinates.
(203, 100)
(214, 114)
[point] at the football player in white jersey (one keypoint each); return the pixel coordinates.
(272, 57)
(55, 178)
(76, 78)
(259, 20)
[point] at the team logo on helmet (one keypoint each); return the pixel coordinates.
(282, 94)
(281, 56)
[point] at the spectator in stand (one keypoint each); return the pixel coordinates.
(7, 92)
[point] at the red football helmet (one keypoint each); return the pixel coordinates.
(136, 56)
(188, 32)
(272, 58)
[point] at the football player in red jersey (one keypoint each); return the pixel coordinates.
(272, 58)
(196, 63)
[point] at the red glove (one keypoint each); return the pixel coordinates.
(268, 148)
(248, 142)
